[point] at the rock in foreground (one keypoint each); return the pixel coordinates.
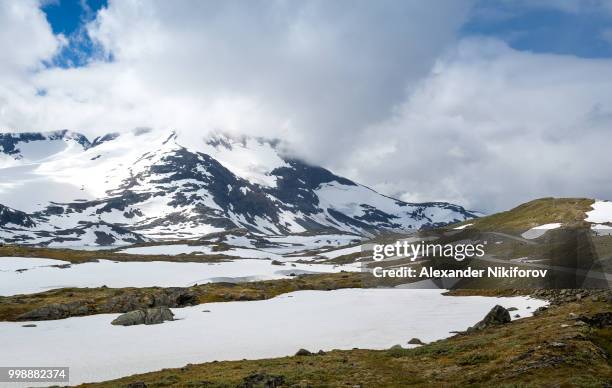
(150, 316)
(497, 316)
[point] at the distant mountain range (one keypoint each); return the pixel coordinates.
(61, 189)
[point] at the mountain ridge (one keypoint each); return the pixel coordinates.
(145, 185)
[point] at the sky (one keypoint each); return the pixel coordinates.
(487, 104)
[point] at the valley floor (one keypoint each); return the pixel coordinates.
(567, 345)
(340, 319)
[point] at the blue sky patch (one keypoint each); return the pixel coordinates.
(69, 17)
(543, 30)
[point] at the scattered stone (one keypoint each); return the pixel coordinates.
(580, 323)
(150, 316)
(137, 384)
(416, 341)
(563, 326)
(497, 316)
(276, 262)
(29, 325)
(572, 315)
(61, 266)
(512, 309)
(540, 310)
(516, 316)
(528, 307)
(600, 320)
(262, 380)
(205, 311)
(303, 352)
(557, 344)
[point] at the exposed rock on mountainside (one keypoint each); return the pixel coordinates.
(65, 190)
(11, 217)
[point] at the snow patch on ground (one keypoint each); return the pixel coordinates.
(95, 350)
(602, 230)
(42, 277)
(601, 213)
(12, 264)
(539, 231)
(172, 249)
(462, 227)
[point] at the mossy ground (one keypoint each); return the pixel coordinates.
(75, 256)
(569, 211)
(13, 306)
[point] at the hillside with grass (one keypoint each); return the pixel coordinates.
(567, 211)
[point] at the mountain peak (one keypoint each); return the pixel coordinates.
(169, 185)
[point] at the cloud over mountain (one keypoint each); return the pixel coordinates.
(387, 93)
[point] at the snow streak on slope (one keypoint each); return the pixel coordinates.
(145, 185)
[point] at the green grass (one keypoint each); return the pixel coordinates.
(569, 211)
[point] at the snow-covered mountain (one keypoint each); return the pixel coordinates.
(60, 188)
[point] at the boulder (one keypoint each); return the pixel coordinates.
(416, 341)
(262, 380)
(303, 352)
(497, 316)
(149, 316)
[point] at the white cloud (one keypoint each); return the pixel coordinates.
(26, 39)
(349, 84)
(492, 127)
(293, 69)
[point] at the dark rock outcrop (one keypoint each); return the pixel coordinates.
(303, 352)
(416, 341)
(56, 311)
(137, 384)
(263, 380)
(600, 320)
(150, 316)
(497, 316)
(166, 297)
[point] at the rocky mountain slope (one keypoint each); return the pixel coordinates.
(60, 188)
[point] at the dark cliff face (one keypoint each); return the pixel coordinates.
(9, 142)
(15, 217)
